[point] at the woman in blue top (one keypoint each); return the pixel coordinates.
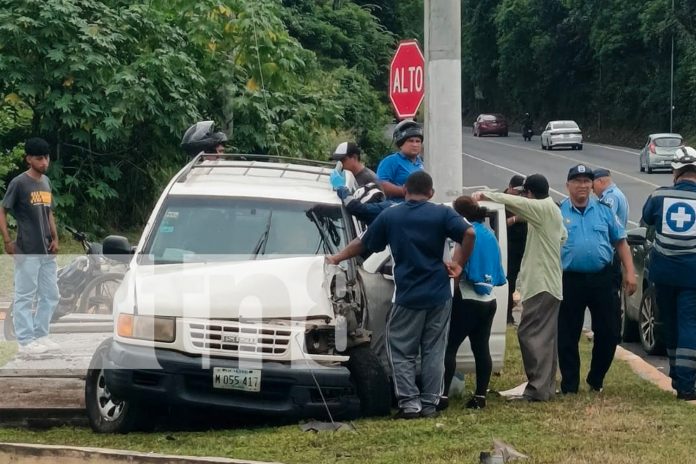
(474, 304)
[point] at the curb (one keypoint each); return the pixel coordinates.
(645, 370)
(40, 454)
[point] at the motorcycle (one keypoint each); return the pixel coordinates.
(86, 285)
(527, 133)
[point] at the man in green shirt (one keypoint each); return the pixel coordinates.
(541, 282)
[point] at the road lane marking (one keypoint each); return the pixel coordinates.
(557, 192)
(607, 147)
(576, 161)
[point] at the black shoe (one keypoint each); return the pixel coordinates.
(686, 396)
(406, 415)
(442, 404)
(476, 402)
(429, 413)
(594, 388)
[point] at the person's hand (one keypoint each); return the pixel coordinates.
(53, 247)
(10, 248)
(454, 270)
(332, 260)
(630, 283)
(511, 220)
(337, 179)
(478, 196)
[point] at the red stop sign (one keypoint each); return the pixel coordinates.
(407, 79)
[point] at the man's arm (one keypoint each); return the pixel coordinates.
(7, 240)
(462, 252)
(629, 272)
(391, 190)
(53, 248)
(353, 249)
(519, 206)
(648, 216)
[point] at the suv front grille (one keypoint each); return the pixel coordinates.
(238, 338)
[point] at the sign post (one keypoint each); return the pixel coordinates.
(407, 79)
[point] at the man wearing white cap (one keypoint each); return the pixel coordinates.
(348, 153)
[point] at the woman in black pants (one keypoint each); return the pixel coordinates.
(472, 309)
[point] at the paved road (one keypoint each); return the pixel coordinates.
(491, 161)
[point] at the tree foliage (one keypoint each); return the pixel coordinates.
(604, 63)
(113, 85)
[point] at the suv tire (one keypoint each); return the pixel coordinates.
(371, 382)
(650, 337)
(629, 327)
(105, 413)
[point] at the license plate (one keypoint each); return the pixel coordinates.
(237, 379)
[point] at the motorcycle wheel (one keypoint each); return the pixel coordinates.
(98, 295)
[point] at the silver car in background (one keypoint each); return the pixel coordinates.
(561, 134)
(659, 151)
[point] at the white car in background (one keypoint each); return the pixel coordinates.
(561, 134)
(659, 151)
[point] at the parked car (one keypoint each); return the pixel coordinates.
(659, 152)
(487, 124)
(561, 134)
(228, 303)
(640, 315)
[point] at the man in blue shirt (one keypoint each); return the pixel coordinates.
(393, 170)
(593, 233)
(672, 211)
(607, 192)
(416, 231)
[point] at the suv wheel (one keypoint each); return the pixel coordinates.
(105, 413)
(629, 327)
(650, 339)
(371, 382)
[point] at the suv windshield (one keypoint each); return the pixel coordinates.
(191, 229)
(668, 142)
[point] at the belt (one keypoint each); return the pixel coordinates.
(606, 270)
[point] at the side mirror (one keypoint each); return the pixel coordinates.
(636, 237)
(117, 248)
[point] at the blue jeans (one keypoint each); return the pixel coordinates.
(35, 278)
(410, 331)
(677, 308)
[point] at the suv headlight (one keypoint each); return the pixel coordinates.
(154, 328)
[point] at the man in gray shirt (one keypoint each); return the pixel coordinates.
(29, 199)
(348, 153)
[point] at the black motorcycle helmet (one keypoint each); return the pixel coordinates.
(201, 137)
(406, 129)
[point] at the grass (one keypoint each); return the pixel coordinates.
(630, 422)
(7, 352)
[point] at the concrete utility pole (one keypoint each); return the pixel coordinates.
(443, 97)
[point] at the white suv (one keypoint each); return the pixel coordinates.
(228, 303)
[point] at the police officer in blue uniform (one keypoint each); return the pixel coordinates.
(608, 193)
(593, 233)
(672, 210)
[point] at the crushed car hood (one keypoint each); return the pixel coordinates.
(288, 288)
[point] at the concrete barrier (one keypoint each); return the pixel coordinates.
(49, 454)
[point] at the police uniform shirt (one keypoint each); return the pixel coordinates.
(615, 198)
(591, 235)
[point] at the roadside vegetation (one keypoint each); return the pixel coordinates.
(630, 422)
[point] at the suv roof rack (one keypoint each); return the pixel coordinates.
(253, 159)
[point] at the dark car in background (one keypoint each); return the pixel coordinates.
(640, 316)
(490, 124)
